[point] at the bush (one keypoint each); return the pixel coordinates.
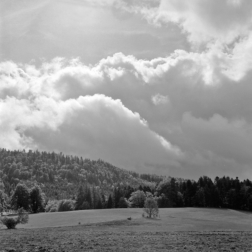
(23, 216)
(52, 206)
(11, 222)
(151, 207)
(66, 205)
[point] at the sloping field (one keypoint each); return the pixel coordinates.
(171, 219)
(200, 219)
(73, 218)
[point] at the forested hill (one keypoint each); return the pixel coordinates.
(60, 175)
(98, 184)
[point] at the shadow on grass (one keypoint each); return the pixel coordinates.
(243, 211)
(152, 219)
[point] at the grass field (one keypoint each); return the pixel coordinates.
(73, 218)
(171, 219)
(178, 229)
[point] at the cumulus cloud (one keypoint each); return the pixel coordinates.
(180, 114)
(219, 32)
(100, 127)
(38, 110)
(187, 113)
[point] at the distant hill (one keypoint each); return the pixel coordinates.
(60, 175)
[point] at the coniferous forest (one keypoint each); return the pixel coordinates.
(43, 181)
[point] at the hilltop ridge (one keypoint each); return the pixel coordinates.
(59, 174)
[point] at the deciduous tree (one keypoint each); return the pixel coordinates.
(37, 199)
(137, 199)
(21, 197)
(151, 207)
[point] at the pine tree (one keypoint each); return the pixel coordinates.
(99, 204)
(94, 198)
(88, 196)
(122, 203)
(80, 198)
(110, 202)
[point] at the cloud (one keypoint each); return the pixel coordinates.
(230, 139)
(206, 20)
(159, 99)
(219, 145)
(39, 115)
(184, 113)
(181, 114)
(219, 32)
(100, 127)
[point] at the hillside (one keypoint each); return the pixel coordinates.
(98, 184)
(60, 175)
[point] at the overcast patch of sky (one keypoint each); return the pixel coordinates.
(47, 29)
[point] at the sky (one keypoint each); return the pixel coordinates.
(152, 86)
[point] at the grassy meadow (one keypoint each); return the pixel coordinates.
(177, 229)
(171, 219)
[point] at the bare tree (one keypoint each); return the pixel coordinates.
(151, 207)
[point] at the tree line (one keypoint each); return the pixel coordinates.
(223, 192)
(74, 183)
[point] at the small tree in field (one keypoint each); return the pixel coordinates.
(151, 207)
(11, 222)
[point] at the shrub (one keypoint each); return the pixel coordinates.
(23, 216)
(66, 205)
(11, 222)
(151, 207)
(52, 206)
